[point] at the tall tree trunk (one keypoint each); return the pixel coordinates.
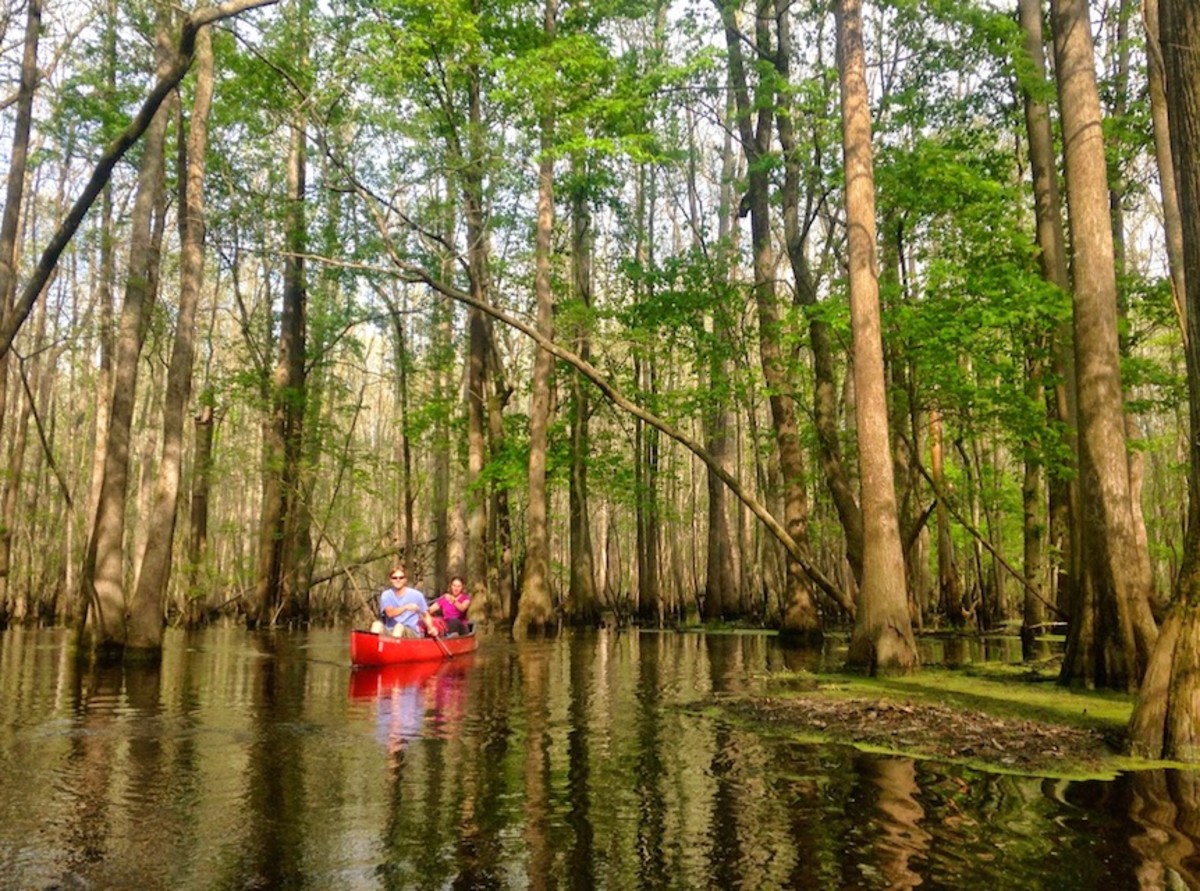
(202, 468)
(277, 593)
(536, 609)
(723, 583)
(882, 640)
(1047, 203)
(950, 589)
(10, 225)
(1112, 629)
(1165, 721)
(478, 337)
(825, 388)
(403, 532)
(800, 616)
(645, 438)
(1033, 501)
(583, 602)
(105, 630)
(146, 614)
(500, 518)
(442, 376)
(1118, 190)
(106, 346)
(1160, 116)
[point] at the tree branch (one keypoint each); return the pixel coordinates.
(113, 153)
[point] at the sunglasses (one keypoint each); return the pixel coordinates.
(399, 576)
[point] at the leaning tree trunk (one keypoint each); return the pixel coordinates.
(1166, 717)
(104, 629)
(146, 611)
(882, 640)
(1111, 630)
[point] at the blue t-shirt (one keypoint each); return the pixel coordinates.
(408, 596)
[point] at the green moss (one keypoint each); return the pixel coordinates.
(1005, 691)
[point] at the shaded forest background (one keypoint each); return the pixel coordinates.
(400, 200)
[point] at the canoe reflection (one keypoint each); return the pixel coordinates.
(407, 695)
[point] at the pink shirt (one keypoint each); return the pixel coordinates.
(452, 609)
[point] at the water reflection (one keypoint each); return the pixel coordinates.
(274, 800)
(1166, 804)
(595, 761)
(899, 843)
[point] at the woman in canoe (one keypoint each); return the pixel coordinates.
(452, 606)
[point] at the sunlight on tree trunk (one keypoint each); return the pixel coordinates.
(882, 640)
(1111, 628)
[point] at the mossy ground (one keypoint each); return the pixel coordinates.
(995, 717)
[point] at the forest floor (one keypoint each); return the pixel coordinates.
(1012, 719)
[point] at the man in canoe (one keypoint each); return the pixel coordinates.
(404, 610)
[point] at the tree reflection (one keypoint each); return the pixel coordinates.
(1166, 804)
(96, 703)
(898, 837)
(649, 772)
(582, 854)
(272, 854)
(534, 692)
(483, 818)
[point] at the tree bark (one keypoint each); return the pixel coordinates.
(583, 602)
(882, 640)
(1112, 629)
(825, 388)
(478, 337)
(147, 616)
(722, 588)
(800, 616)
(535, 610)
(278, 585)
(166, 82)
(1165, 721)
(10, 225)
(1063, 487)
(1160, 116)
(197, 547)
(105, 629)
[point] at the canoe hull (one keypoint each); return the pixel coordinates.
(379, 649)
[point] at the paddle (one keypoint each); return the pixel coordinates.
(445, 649)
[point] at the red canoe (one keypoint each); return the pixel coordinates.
(379, 649)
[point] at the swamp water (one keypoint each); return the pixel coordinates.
(592, 761)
